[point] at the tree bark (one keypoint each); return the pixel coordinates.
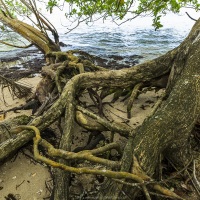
(6, 125)
(33, 35)
(170, 127)
(167, 131)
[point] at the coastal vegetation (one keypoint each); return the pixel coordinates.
(166, 134)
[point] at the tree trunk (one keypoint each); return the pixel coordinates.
(171, 125)
(33, 35)
(6, 125)
(168, 130)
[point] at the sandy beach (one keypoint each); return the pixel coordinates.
(22, 177)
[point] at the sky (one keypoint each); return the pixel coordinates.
(180, 21)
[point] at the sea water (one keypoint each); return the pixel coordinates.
(104, 39)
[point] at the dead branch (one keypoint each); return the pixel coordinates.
(133, 96)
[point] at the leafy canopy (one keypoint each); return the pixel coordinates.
(85, 10)
(119, 11)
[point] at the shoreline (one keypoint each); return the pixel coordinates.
(25, 63)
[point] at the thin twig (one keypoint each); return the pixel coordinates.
(133, 96)
(195, 180)
(191, 17)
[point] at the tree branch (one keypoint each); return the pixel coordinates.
(13, 45)
(191, 17)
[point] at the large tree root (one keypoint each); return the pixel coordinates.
(140, 178)
(114, 78)
(6, 125)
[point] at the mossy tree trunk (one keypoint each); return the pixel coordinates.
(34, 35)
(168, 130)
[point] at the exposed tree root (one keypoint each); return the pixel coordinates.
(89, 155)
